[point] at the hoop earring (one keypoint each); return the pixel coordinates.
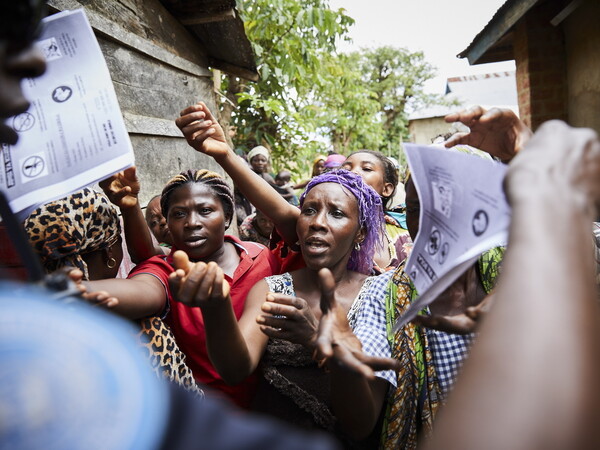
(111, 263)
(357, 246)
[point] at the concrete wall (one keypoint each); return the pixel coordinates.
(422, 131)
(157, 69)
(582, 35)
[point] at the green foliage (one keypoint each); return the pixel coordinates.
(388, 83)
(308, 94)
(291, 40)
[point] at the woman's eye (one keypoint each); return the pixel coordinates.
(205, 211)
(308, 211)
(338, 214)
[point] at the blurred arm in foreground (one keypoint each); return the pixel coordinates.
(531, 379)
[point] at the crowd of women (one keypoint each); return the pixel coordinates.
(301, 328)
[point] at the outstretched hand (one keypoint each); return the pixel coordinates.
(465, 323)
(498, 131)
(202, 131)
(123, 188)
(197, 284)
(97, 298)
(336, 343)
(289, 318)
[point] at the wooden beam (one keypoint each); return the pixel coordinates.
(566, 12)
(200, 18)
(115, 32)
(238, 71)
(506, 17)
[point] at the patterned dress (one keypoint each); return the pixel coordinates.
(294, 388)
(430, 359)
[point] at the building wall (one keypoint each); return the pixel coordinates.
(583, 65)
(540, 55)
(422, 131)
(157, 69)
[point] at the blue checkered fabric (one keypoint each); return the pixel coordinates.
(448, 351)
(369, 322)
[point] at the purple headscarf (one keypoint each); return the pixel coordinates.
(370, 214)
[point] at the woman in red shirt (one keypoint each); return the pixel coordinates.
(199, 207)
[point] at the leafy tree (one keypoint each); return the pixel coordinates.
(348, 108)
(291, 41)
(307, 94)
(381, 86)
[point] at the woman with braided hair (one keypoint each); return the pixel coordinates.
(198, 206)
(339, 228)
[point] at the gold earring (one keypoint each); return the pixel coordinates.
(111, 263)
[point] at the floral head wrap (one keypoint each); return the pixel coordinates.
(370, 214)
(63, 230)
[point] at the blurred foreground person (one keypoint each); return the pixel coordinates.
(543, 394)
(74, 378)
(19, 59)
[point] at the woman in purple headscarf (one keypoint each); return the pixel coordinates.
(339, 225)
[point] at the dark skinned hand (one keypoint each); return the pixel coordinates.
(336, 343)
(197, 284)
(202, 131)
(288, 318)
(498, 131)
(122, 188)
(95, 298)
(465, 323)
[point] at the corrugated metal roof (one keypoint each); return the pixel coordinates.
(217, 25)
(494, 42)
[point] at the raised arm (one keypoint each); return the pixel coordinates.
(122, 189)
(532, 378)
(498, 131)
(203, 133)
(234, 348)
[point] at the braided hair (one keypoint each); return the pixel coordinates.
(211, 180)
(390, 173)
(370, 214)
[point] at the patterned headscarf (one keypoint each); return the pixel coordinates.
(370, 214)
(63, 230)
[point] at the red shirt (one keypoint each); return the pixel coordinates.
(288, 257)
(187, 324)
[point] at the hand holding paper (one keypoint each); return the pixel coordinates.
(463, 213)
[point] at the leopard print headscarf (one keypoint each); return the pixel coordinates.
(63, 230)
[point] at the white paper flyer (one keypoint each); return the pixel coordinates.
(73, 134)
(463, 214)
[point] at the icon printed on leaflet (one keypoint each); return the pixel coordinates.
(480, 222)
(61, 94)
